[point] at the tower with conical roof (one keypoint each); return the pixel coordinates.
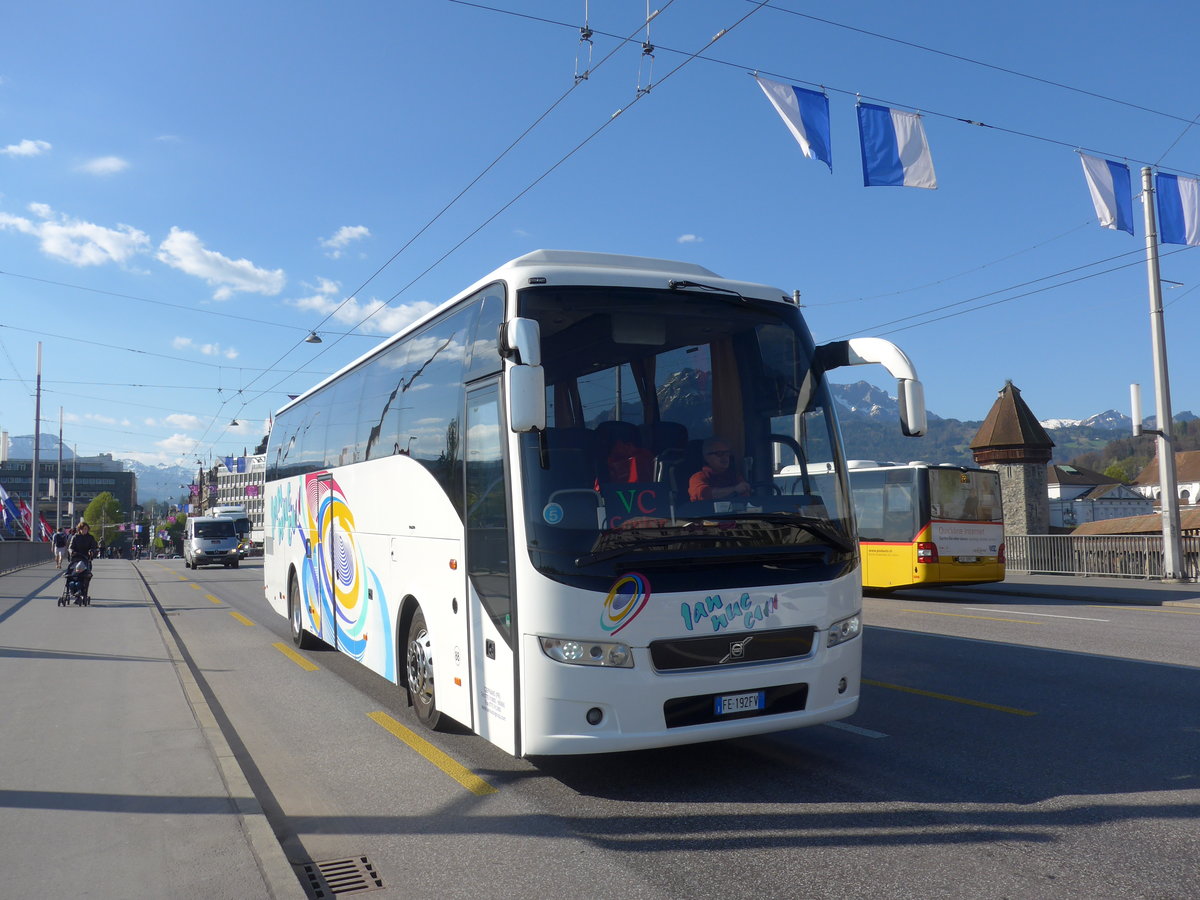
(1012, 442)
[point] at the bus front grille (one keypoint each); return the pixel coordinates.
(732, 649)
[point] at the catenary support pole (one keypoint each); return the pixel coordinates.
(1172, 543)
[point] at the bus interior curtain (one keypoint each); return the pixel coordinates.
(727, 396)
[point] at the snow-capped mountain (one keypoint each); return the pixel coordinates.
(1112, 420)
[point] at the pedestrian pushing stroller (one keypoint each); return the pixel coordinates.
(75, 589)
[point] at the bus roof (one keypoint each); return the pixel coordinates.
(572, 267)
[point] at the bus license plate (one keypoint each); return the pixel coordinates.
(735, 703)
(968, 559)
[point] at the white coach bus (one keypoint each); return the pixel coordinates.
(507, 509)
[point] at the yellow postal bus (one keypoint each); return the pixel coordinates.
(921, 524)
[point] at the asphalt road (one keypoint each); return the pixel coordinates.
(1004, 747)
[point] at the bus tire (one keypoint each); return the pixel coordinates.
(301, 638)
(418, 665)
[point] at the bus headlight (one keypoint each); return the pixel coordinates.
(588, 653)
(844, 630)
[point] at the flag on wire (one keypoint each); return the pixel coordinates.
(1111, 195)
(1178, 209)
(806, 114)
(894, 149)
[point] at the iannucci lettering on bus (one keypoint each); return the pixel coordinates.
(721, 615)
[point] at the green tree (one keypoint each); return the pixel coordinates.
(1117, 471)
(102, 514)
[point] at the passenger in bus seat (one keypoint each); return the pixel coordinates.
(718, 478)
(626, 461)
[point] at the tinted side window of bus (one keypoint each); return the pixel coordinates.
(485, 348)
(431, 400)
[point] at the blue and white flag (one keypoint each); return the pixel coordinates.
(894, 149)
(1178, 209)
(806, 114)
(1111, 195)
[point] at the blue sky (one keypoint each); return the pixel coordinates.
(187, 189)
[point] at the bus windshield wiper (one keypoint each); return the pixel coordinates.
(599, 556)
(818, 528)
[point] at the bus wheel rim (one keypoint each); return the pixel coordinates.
(420, 671)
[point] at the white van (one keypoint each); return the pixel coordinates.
(210, 541)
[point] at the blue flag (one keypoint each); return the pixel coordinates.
(806, 114)
(1178, 209)
(1111, 195)
(894, 149)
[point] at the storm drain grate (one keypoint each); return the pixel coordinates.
(338, 877)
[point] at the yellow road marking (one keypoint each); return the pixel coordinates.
(930, 612)
(212, 598)
(909, 690)
(196, 586)
(240, 617)
(455, 770)
(296, 657)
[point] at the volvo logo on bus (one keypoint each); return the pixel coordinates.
(737, 650)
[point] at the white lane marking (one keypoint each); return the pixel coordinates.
(854, 729)
(1042, 615)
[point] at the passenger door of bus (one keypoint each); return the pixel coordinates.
(489, 570)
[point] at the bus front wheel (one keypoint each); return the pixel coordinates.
(418, 663)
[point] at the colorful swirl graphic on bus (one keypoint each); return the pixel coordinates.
(343, 598)
(625, 600)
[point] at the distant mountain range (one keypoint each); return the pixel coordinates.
(869, 418)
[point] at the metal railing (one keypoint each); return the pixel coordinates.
(1120, 556)
(18, 554)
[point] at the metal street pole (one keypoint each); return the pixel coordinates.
(58, 479)
(1172, 543)
(34, 506)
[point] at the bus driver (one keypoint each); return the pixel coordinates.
(718, 478)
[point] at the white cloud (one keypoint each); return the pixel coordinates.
(104, 165)
(218, 350)
(344, 236)
(26, 148)
(184, 251)
(186, 343)
(383, 319)
(184, 420)
(75, 241)
(689, 239)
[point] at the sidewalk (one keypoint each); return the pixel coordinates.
(1095, 589)
(116, 780)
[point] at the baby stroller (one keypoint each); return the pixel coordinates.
(75, 590)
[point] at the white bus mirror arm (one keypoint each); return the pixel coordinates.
(869, 350)
(522, 341)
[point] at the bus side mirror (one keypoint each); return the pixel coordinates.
(911, 400)
(526, 398)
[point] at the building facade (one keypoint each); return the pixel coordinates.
(1079, 495)
(82, 479)
(236, 481)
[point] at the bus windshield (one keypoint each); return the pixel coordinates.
(688, 433)
(964, 495)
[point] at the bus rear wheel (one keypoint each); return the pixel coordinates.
(418, 664)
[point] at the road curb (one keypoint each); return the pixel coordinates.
(278, 874)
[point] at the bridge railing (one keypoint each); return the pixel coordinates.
(1126, 556)
(18, 554)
